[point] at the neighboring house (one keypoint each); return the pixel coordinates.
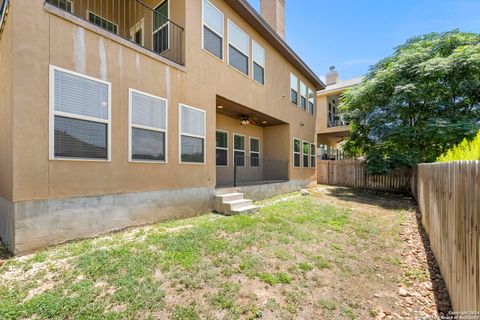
(331, 128)
(121, 113)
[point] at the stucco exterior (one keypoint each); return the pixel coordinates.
(39, 36)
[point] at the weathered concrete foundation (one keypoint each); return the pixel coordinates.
(30, 225)
(26, 226)
(263, 191)
(7, 223)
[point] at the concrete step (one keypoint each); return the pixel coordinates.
(246, 210)
(230, 196)
(233, 203)
(237, 204)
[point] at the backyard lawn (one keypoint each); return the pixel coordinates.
(333, 254)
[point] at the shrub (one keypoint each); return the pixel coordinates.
(465, 150)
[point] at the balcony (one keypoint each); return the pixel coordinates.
(335, 121)
(134, 21)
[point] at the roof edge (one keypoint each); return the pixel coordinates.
(247, 12)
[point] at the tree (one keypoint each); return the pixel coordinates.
(465, 150)
(417, 103)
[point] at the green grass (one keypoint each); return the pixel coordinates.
(132, 274)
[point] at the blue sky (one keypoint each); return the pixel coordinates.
(353, 34)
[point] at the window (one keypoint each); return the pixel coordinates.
(102, 22)
(303, 96)
(212, 29)
(306, 153)
(161, 39)
(239, 150)
(258, 62)
(63, 4)
(192, 134)
(238, 48)
(296, 152)
(313, 158)
(79, 116)
(148, 127)
(222, 148)
(136, 33)
(293, 89)
(254, 152)
(311, 101)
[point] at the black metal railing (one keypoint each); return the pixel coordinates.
(131, 20)
(253, 170)
(336, 121)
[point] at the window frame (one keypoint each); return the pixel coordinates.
(71, 6)
(53, 113)
(313, 155)
(291, 89)
(140, 25)
(303, 96)
(253, 63)
(115, 24)
(312, 93)
(167, 24)
(180, 134)
(307, 154)
(221, 148)
(147, 128)
(221, 36)
(295, 152)
(244, 148)
(236, 48)
(250, 138)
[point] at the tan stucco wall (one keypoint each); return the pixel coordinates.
(52, 40)
(6, 165)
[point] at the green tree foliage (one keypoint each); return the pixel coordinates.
(417, 103)
(466, 150)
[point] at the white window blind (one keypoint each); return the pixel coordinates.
(148, 127)
(80, 120)
(238, 48)
(293, 88)
(213, 29)
(192, 135)
(258, 62)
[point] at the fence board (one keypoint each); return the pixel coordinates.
(448, 195)
(351, 173)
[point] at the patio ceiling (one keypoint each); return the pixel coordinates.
(237, 111)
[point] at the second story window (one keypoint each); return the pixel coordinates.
(102, 22)
(293, 89)
(212, 29)
(238, 48)
(303, 96)
(258, 62)
(311, 101)
(161, 40)
(63, 4)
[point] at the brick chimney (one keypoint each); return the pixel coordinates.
(332, 76)
(273, 11)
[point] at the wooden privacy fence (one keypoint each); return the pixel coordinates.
(448, 195)
(353, 173)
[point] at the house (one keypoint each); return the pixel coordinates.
(331, 128)
(128, 112)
